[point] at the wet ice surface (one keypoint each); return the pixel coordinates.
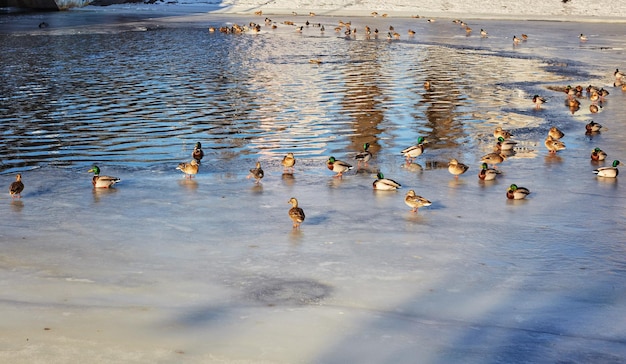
(163, 268)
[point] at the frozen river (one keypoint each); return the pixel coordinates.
(209, 270)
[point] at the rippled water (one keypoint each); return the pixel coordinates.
(118, 94)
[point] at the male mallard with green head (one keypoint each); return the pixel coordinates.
(99, 181)
(505, 144)
(598, 154)
(593, 127)
(487, 174)
(385, 184)
(517, 193)
(538, 100)
(364, 156)
(414, 201)
(16, 188)
(338, 166)
(197, 153)
(414, 151)
(296, 214)
(609, 172)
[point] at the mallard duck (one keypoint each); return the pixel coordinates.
(364, 156)
(296, 214)
(593, 127)
(483, 33)
(16, 188)
(505, 145)
(414, 151)
(598, 154)
(516, 40)
(189, 169)
(538, 100)
(573, 104)
(385, 184)
(338, 166)
(609, 172)
(555, 133)
(517, 193)
(594, 97)
(493, 158)
(414, 201)
(456, 168)
(487, 174)
(593, 108)
(582, 37)
(256, 173)
(288, 162)
(603, 93)
(524, 36)
(553, 145)
(499, 132)
(99, 181)
(197, 153)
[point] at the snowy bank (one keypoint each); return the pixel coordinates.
(561, 10)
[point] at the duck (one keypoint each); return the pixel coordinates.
(517, 193)
(288, 162)
(618, 74)
(487, 174)
(609, 172)
(505, 145)
(582, 37)
(593, 108)
(538, 100)
(414, 201)
(573, 104)
(493, 158)
(99, 181)
(593, 127)
(16, 187)
(385, 184)
(516, 40)
(296, 214)
(456, 168)
(553, 145)
(338, 166)
(414, 151)
(189, 169)
(499, 132)
(555, 133)
(364, 156)
(524, 36)
(197, 153)
(483, 33)
(598, 154)
(256, 173)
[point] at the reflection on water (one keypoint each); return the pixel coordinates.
(143, 98)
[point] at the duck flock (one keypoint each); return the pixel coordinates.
(504, 143)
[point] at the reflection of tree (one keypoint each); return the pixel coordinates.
(442, 99)
(362, 95)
